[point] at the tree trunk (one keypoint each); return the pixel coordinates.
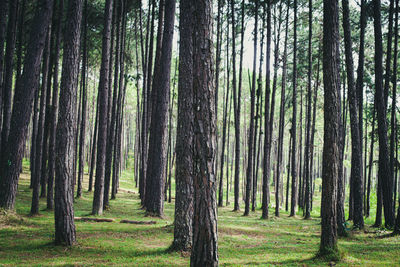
(251, 145)
(83, 108)
(120, 104)
(54, 110)
(183, 224)
(307, 153)
(6, 86)
(146, 108)
(237, 99)
(94, 145)
(154, 203)
(385, 176)
(393, 115)
(103, 107)
(257, 118)
(224, 125)
(12, 153)
(281, 117)
(331, 150)
(64, 196)
(312, 172)
(39, 138)
(360, 77)
(267, 125)
(205, 248)
(111, 132)
(294, 107)
(3, 24)
(356, 153)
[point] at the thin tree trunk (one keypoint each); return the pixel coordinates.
(3, 24)
(103, 107)
(371, 158)
(257, 117)
(360, 76)
(154, 203)
(237, 97)
(385, 175)
(356, 142)
(54, 110)
(281, 113)
(111, 132)
(40, 133)
(6, 86)
(251, 145)
(83, 109)
(393, 115)
(294, 107)
(307, 153)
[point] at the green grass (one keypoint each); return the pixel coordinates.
(28, 241)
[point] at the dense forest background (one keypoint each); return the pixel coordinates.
(283, 108)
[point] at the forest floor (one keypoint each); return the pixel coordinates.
(287, 241)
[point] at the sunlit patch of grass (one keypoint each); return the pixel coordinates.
(251, 241)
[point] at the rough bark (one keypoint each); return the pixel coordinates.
(384, 175)
(3, 24)
(356, 154)
(393, 145)
(111, 131)
(12, 153)
(183, 224)
(40, 134)
(54, 108)
(103, 107)
(154, 203)
(331, 147)
(360, 77)
(6, 86)
(65, 142)
(205, 248)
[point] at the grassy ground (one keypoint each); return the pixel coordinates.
(248, 241)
